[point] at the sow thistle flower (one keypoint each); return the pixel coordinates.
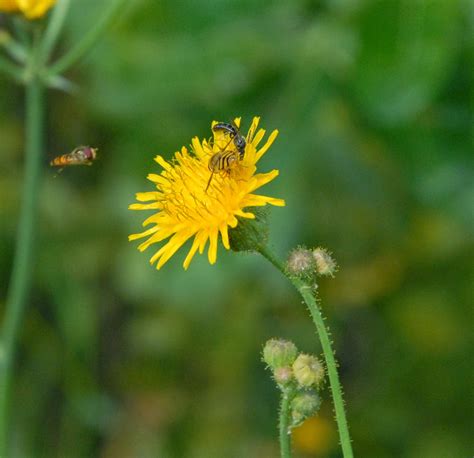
(186, 207)
(32, 9)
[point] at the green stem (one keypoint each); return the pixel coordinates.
(283, 424)
(20, 281)
(89, 39)
(13, 48)
(336, 390)
(53, 31)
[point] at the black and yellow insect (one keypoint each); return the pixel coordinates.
(222, 161)
(226, 159)
(82, 155)
(234, 133)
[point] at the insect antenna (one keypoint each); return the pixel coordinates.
(228, 143)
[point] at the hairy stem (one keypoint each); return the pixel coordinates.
(336, 390)
(20, 280)
(283, 424)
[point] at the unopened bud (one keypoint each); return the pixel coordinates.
(325, 264)
(303, 406)
(279, 353)
(308, 370)
(283, 375)
(301, 262)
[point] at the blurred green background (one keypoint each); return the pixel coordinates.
(373, 102)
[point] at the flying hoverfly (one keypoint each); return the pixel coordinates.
(225, 160)
(82, 155)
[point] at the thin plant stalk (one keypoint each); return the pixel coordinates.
(54, 28)
(284, 425)
(89, 39)
(20, 281)
(306, 292)
(32, 74)
(15, 50)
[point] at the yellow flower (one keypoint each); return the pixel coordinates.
(315, 437)
(8, 5)
(185, 208)
(32, 9)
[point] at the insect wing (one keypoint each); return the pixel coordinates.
(78, 156)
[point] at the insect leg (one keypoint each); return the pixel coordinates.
(209, 182)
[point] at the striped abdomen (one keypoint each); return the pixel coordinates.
(223, 161)
(83, 155)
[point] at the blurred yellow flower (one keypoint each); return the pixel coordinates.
(8, 5)
(187, 208)
(315, 437)
(32, 9)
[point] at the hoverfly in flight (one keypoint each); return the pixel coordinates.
(82, 155)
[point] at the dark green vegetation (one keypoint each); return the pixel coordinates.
(372, 102)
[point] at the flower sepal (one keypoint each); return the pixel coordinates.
(250, 234)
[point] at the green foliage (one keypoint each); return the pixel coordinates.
(371, 100)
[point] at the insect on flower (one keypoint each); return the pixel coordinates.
(82, 155)
(182, 208)
(222, 161)
(225, 160)
(235, 135)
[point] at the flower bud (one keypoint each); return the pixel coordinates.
(303, 406)
(279, 353)
(300, 262)
(325, 264)
(308, 370)
(283, 375)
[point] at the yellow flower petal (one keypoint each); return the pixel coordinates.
(143, 234)
(176, 242)
(224, 235)
(152, 206)
(146, 196)
(253, 129)
(258, 137)
(34, 9)
(192, 251)
(267, 145)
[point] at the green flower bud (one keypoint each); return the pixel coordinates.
(325, 264)
(301, 262)
(308, 370)
(303, 406)
(279, 353)
(283, 375)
